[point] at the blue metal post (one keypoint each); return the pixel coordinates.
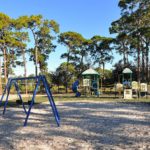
(18, 92)
(51, 97)
(52, 103)
(47, 88)
(8, 90)
(32, 102)
(6, 87)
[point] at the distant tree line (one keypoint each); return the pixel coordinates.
(131, 41)
(15, 35)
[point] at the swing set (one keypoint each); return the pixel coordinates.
(38, 79)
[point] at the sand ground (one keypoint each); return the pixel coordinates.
(84, 126)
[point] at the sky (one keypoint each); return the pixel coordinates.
(87, 17)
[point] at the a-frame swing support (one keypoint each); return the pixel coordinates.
(38, 79)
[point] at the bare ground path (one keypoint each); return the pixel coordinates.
(84, 125)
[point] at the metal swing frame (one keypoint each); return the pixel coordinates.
(40, 78)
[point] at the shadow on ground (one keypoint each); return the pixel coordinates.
(84, 125)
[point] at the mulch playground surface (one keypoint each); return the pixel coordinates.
(86, 125)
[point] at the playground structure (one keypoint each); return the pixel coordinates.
(38, 79)
(127, 86)
(75, 88)
(91, 81)
(131, 89)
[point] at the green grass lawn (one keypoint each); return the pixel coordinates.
(59, 98)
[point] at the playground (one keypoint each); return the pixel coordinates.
(85, 124)
(86, 120)
(75, 75)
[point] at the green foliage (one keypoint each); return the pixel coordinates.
(14, 36)
(133, 33)
(132, 39)
(107, 73)
(77, 50)
(64, 74)
(9, 43)
(100, 49)
(4, 21)
(41, 30)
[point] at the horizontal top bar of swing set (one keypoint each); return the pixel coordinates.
(27, 78)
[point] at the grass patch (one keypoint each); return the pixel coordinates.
(67, 98)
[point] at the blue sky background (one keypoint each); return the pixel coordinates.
(88, 17)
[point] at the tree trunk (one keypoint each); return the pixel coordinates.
(25, 70)
(82, 63)
(66, 80)
(124, 54)
(5, 65)
(124, 59)
(143, 66)
(138, 52)
(58, 88)
(103, 69)
(127, 58)
(139, 65)
(0, 78)
(36, 61)
(147, 61)
(35, 48)
(82, 67)
(103, 73)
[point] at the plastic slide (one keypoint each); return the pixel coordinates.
(75, 88)
(94, 87)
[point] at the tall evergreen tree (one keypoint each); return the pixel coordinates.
(101, 51)
(41, 30)
(134, 23)
(74, 43)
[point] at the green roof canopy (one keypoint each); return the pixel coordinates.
(127, 70)
(90, 71)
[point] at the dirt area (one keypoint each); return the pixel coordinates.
(84, 126)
